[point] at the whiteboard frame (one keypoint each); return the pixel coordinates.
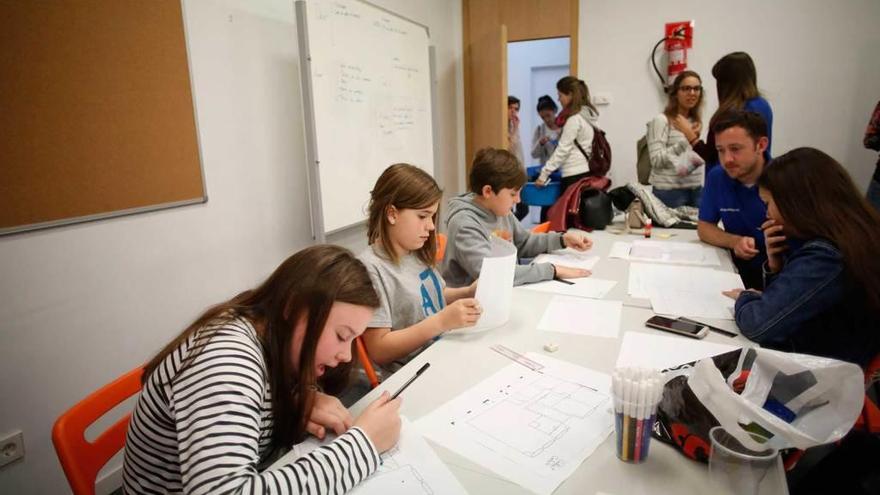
(313, 160)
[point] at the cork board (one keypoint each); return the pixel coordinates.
(96, 111)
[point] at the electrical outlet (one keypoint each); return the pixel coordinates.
(11, 448)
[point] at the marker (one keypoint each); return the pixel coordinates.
(403, 387)
(563, 281)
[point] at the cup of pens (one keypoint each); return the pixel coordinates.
(636, 392)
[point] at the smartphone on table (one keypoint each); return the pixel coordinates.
(686, 328)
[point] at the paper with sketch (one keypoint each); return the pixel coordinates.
(569, 257)
(689, 253)
(593, 288)
(532, 428)
(582, 317)
(694, 303)
(649, 350)
(684, 290)
(410, 467)
(494, 287)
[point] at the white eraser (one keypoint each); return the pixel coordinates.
(551, 347)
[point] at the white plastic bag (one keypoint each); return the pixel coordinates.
(815, 400)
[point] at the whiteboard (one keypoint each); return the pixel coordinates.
(366, 77)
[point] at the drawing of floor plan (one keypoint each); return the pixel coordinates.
(533, 428)
(539, 411)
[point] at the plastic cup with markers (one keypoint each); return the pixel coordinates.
(636, 392)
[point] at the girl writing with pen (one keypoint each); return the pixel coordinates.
(415, 306)
(244, 381)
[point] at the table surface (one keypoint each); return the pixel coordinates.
(458, 363)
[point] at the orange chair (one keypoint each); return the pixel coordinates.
(366, 363)
(541, 228)
(80, 458)
(441, 247)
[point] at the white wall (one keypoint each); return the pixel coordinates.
(80, 305)
(816, 61)
(522, 58)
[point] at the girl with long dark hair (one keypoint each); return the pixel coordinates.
(822, 275)
(244, 382)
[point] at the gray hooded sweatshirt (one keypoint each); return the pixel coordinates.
(469, 228)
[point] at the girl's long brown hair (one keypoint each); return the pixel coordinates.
(817, 199)
(305, 286)
(580, 94)
(671, 109)
(404, 187)
(736, 80)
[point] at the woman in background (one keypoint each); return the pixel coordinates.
(546, 135)
(675, 174)
(737, 82)
(578, 117)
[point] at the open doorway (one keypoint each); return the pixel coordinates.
(533, 67)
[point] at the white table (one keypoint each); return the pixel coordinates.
(460, 363)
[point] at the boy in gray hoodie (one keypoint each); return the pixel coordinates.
(495, 181)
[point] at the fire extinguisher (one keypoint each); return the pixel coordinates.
(678, 39)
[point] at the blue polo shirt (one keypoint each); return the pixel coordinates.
(738, 206)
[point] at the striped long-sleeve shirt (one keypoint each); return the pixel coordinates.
(208, 428)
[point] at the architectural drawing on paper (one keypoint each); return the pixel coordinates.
(540, 408)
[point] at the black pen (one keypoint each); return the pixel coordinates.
(563, 281)
(710, 327)
(401, 389)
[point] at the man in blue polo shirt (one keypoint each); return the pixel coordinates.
(731, 196)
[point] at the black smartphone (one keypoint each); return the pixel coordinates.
(688, 329)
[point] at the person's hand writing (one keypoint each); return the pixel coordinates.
(381, 422)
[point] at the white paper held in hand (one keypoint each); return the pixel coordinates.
(494, 288)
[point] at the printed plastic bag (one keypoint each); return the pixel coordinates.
(762, 397)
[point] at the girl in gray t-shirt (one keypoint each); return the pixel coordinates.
(415, 307)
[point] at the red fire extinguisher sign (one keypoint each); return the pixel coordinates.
(679, 38)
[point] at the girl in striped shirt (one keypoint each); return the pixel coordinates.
(243, 383)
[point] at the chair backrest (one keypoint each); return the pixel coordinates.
(541, 228)
(81, 459)
(366, 363)
(441, 247)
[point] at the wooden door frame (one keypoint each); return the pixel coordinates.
(513, 12)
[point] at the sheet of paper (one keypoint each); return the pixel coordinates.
(408, 468)
(684, 290)
(644, 277)
(494, 288)
(532, 428)
(662, 351)
(593, 288)
(582, 317)
(692, 303)
(569, 257)
(689, 253)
